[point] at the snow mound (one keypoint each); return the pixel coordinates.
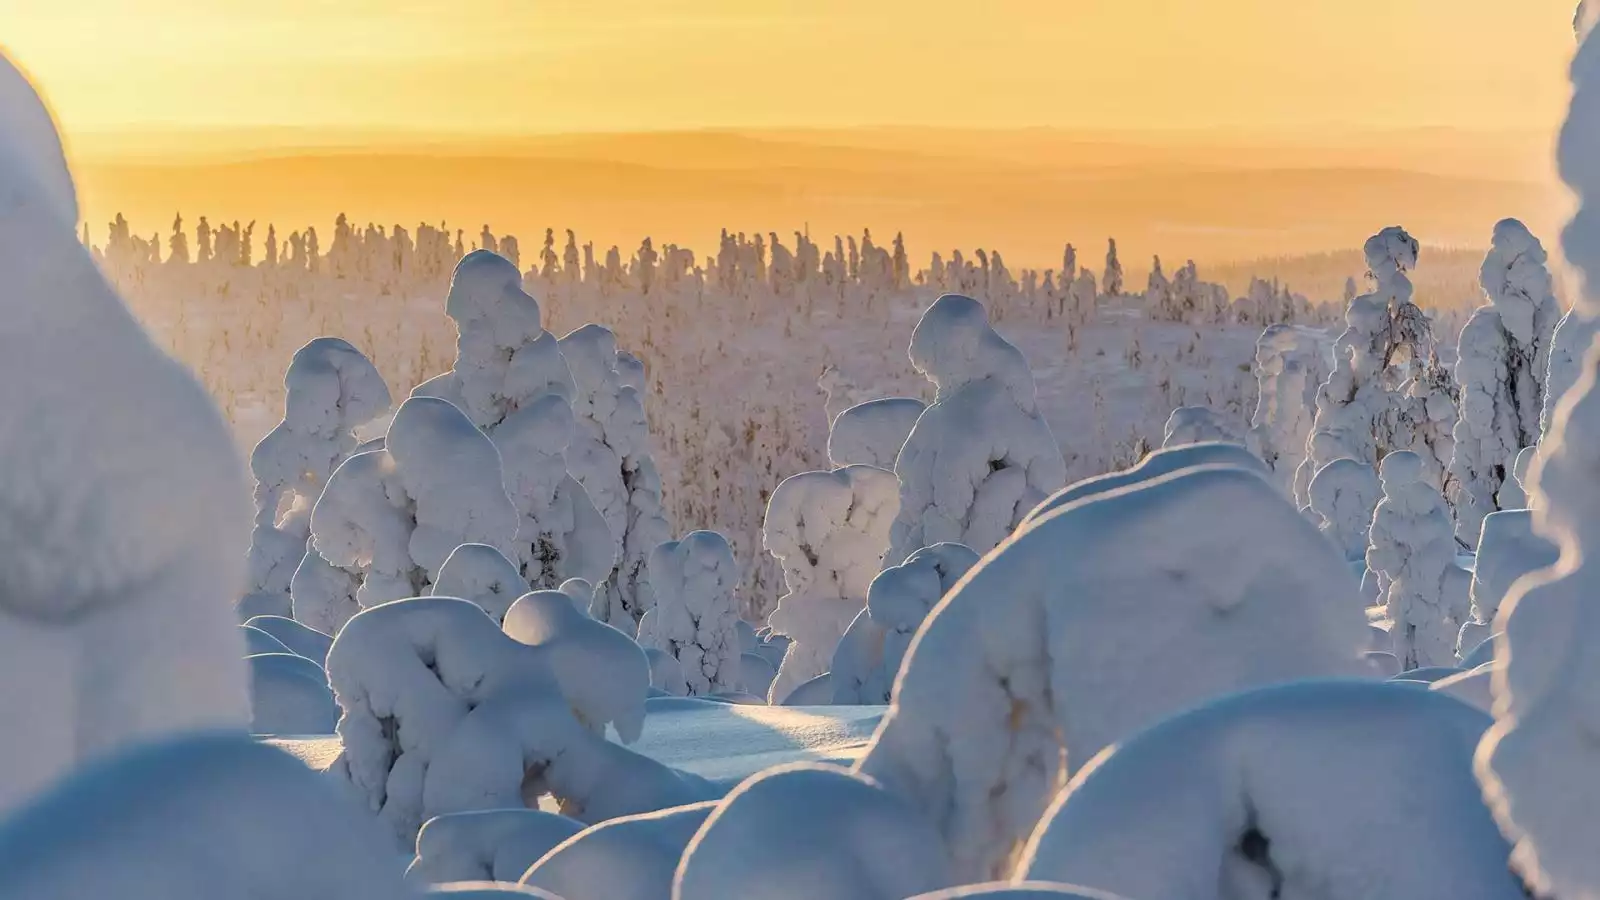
(1509, 549)
(1156, 465)
(601, 670)
(1026, 890)
(258, 641)
(872, 433)
(482, 574)
(580, 591)
(981, 456)
(755, 674)
(1343, 496)
(489, 890)
(1199, 425)
(299, 639)
(220, 817)
(389, 519)
(289, 695)
(491, 845)
(695, 619)
(667, 674)
(1275, 793)
(631, 858)
(899, 600)
(1039, 659)
(828, 531)
(816, 691)
(124, 524)
(1473, 687)
(330, 390)
(811, 831)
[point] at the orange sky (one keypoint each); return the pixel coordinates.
(542, 66)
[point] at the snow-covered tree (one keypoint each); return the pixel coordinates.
(828, 531)
(330, 390)
(1205, 581)
(627, 858)
(872, 650)
(488, 845)
(695, 616)
(482, 574)
(1509, 548)
(610, 456)
(1297, 790)
(1111, 280)
(124, 508)
(872, 433)
(1289, 368)
(982, 455)
(1343, 496)
(1199, 425)
(1411, 547)
(807, 831)
(1574, 334)
(1158, 300)
(1503, 361)
(511, 380)
(389, 518)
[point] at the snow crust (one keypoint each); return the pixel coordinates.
(124, 524)
(1274, 793)
(872, 433)
(389, 519)
(1038, 659)
(870, 654)
(490, 845)
(829, 532)
(811, 831)
(695, 617)
(981, 456)
(215, 816)
(1504, 359)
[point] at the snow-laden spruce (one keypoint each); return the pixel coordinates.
(1535, 761)
(389, 519)
(490, 845)
(601, 670)
(982, 455)
(1413, 549)
(1289, 368)
(872, 433)
(512, 381)
(1333, 789)
(610, 456)
(1160, 463)
(807, 831)
(1342, 498)
(1176, 590)
(218, 816)
(445, 713)
(482, 574)
(1503, 359)
(1509, 548)
(695, 619)
(330, 390)
(1574, 334)
(1199, 425)
(828, 531)
(871, 652)
(125, 507)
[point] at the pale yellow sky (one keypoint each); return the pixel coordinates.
(523, 66)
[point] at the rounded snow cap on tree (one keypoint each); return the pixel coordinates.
(332, 386)
(591, 354)
(432, 434)
(485, 285)
(1390, 254)
(482, 574)
(1400, 467)
(1516, 278)
(953, 345)
(31, 155)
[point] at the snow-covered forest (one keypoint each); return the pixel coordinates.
(378, 562)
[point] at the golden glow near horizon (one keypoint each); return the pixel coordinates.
(492, 67)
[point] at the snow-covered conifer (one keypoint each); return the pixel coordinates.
(482, 574)
(872, 433)
(1411, 547)
(124, 510)
(982, 455)
(1205, 581)
(872, 650)
(828, 531)
(1111, 281)
(695, 616)
(1503, 360)
(1509, 548)
(1343, 496)
(388, 519)
(610, 456)
(1289, 369)
(330, 390)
